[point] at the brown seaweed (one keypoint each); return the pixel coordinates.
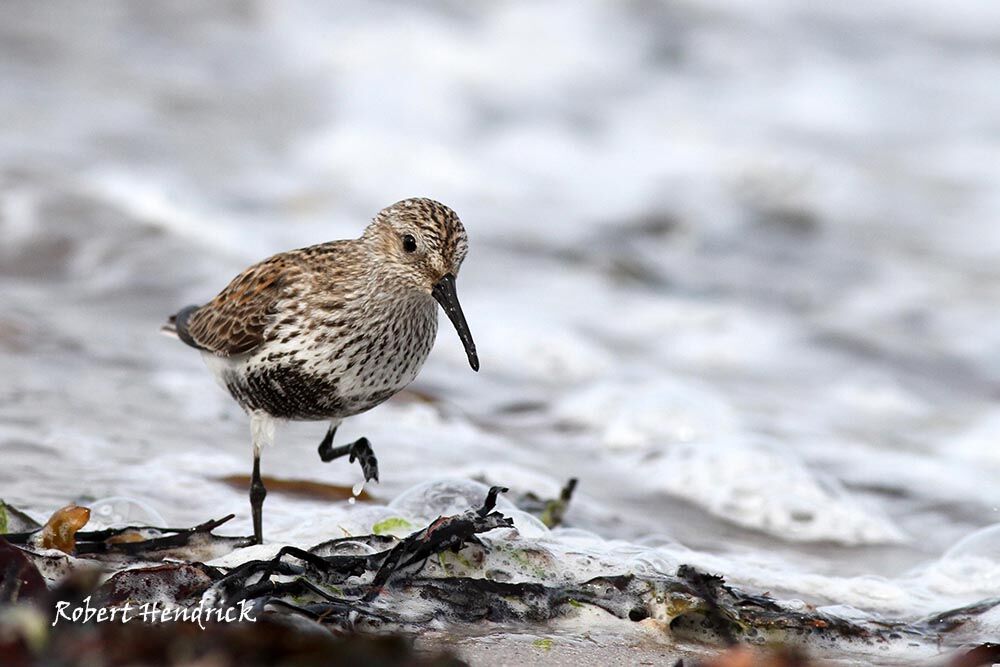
(274, 640)
(59, 532)
(19, 578)
(979, 656)
(141, 543)
(345, 588)
(302, 488)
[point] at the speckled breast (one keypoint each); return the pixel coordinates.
(335, 373)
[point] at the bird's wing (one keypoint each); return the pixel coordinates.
(236, 320)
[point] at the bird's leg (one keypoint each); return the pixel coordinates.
(326, 447)
(360, 449)
(262, 433)
(257, 495)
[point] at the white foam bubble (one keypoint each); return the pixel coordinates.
(444, 497)
(968, 571)
(119, 511)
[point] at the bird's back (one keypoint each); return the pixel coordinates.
(307, 335)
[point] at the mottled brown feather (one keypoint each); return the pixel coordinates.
(235, 321)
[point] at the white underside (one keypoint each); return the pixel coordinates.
(262, 425)
(261, 431)
(218, 366)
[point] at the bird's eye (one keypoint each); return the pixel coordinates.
(409, 243)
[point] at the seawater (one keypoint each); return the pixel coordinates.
(733, 266)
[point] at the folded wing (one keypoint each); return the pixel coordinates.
(236, 321)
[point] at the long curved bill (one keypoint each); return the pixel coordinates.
(445, 294)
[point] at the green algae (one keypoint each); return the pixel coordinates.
(392, 525)
(544, 644)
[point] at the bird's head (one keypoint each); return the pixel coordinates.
(419, 245)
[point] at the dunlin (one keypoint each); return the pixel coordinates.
(332, 330)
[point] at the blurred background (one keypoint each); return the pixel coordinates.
(733, 265)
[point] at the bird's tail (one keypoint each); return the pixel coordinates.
(176, 326)
(170, 328)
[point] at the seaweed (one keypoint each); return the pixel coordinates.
(344, 588)
(144, 542)
(20, 580)
(549, 511)
(276, 640)
(445, 533)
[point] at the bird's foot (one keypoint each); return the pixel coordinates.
(360, 449)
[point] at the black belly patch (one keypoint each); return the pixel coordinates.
(285, 392)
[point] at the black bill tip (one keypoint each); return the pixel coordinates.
(446, 295)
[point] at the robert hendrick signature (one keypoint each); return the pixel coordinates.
(152, 612)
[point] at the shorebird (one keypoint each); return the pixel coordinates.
(329, 331)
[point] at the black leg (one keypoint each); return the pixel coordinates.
(326, 447)
(360, 449)
(257, 495)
